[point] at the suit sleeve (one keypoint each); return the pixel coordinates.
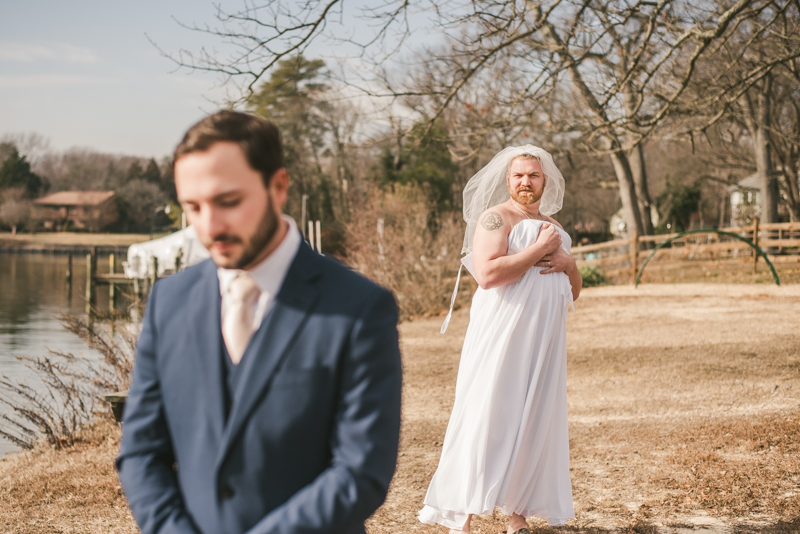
(146, 458)
(365, 438)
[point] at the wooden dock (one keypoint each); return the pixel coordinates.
(111, 278)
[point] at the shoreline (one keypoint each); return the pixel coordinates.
(70, 242)
(65, 249)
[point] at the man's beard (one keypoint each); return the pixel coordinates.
(526, 200)
(267, 227)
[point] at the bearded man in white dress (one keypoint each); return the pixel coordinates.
(493, 266)
(506, 443)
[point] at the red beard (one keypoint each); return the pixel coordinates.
(526, 196)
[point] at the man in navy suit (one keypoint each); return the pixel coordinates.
(265, 396)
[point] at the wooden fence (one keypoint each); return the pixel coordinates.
(616, 259)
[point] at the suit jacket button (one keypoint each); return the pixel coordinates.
(225, 491)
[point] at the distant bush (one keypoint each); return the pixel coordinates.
(394, 239)
(592, 276)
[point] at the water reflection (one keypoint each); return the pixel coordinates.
(33, 291)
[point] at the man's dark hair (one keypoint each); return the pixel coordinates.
(258, 138)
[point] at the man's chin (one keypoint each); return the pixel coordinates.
(526, 199)
(226, 262)
(226, 259)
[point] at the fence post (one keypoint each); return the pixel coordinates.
(755, 242)
(634, 255)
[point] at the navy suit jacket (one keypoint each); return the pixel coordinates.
(310, 441)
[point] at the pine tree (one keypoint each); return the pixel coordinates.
(16, 172)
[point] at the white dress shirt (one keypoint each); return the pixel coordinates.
(269, 274)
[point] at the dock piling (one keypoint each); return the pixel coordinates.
(111, 286)
(91, 270)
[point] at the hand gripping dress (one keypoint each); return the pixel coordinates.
(507, 442)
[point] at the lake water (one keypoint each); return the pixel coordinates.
(33, 291)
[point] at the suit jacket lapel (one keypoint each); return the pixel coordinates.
(206, 342)
(293, 304)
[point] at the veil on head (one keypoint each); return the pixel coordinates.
(488, 187)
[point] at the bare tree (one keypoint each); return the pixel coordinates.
(85, 170)
(32, 145)
(785, 137)
(748, 80)
(142, 198)
(626, 63)
(15, 209)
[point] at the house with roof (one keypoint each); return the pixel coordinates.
(81, 210)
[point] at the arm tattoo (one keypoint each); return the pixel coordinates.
(492, 221)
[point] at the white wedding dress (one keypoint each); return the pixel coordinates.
(507, 442)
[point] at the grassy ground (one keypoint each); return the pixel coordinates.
(728, 271)
(684, 411)
(69, 491)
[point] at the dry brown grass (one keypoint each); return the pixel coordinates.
(674, 420)
(69, 491)
(728, 271)
(674, 414)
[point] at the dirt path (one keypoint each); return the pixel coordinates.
(684, 409)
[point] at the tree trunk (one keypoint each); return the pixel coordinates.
(13, 230)
(627, 190)
(769, 182)
(758, 122)
(792, 193)
(622, 168)
(788, 160)
(639, 174)
(723, 205)
(636, 161)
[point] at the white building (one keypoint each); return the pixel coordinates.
(745, 200)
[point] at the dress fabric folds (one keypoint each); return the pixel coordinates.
(507, 442)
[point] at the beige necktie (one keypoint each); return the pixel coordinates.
(237, 327)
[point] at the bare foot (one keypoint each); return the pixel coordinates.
(464, 529)
(515, 523)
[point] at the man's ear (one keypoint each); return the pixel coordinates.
(279, 186)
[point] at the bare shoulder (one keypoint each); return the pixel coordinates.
(494, 218)
(552, 220)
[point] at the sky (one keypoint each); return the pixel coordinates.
(84, 74)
